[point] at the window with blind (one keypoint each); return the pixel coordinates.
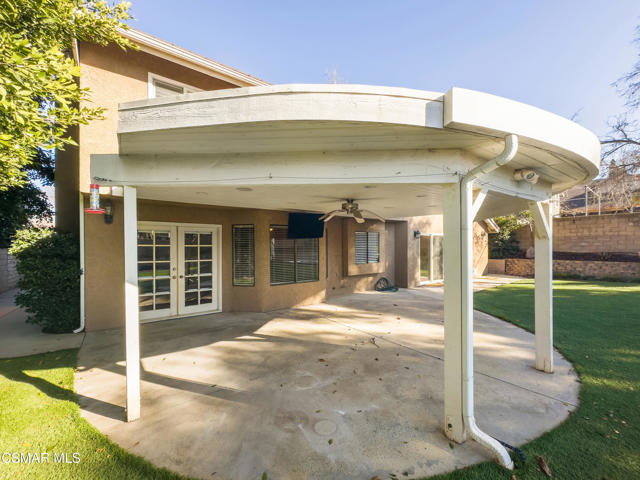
(367, 247)
(292, 260)
(243, 255)
(163, 87)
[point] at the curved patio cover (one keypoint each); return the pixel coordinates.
(289, 137)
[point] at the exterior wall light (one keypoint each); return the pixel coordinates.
(417, 234)
(108, 212)
(526, 174)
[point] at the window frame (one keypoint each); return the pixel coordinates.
(151, 87)
(367, 251)
(233, 255)
(295, 259)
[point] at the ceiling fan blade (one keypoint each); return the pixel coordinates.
(357, 214)
(358, 219)
(374, 215)
(329, 215)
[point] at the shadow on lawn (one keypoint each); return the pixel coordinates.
(16, 370)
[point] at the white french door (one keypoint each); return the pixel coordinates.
(178, 269)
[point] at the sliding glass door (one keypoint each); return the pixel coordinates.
(431, 258)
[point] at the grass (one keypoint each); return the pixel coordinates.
(39, 413)
(597, 328)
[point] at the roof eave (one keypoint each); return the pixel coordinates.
(173, 53)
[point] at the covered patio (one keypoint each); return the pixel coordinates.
(350, 389)
(400, 153)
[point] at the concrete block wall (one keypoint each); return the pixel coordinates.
(592, 234)
(524, 267)
(8, 273)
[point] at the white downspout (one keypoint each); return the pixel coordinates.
(81, 228)
(466, 218)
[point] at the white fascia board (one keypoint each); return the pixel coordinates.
(173, 53)
(473, 111)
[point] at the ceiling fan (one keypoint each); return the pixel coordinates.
(350, 208)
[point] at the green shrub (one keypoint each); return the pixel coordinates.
(49, 268)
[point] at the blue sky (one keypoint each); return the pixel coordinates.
(558, 55)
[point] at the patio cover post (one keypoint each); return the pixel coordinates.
(454, 423)
(131, 323)
(543, 246)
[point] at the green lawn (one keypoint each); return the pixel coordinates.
(597, 327)
(38, 413)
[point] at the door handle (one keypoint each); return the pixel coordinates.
(181, 276)
(173, 277)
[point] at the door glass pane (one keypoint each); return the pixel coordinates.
(425, 258)
(190, 238)
(438, 267)
(145, 238)
(191, 268)
(163, 238)
(145, 286)
(145, 303)
(191, 283)
(163, 302)
(163, 285)
(163, 254)
(205, 239)
(154, 270)
(191, 298)
(145, 269)
(205, 253)
(198, 268)
(162, 269)
(145, 254)
(205, 296)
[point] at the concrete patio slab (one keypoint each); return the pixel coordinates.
(348, 389)
(19, 338)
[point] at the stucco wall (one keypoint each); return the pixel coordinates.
(113, 76)
(104, 265)
(592, 234)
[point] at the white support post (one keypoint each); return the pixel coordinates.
(453, 399)
(132, 325)
(541, 212)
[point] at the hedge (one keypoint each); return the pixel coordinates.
(49, 268)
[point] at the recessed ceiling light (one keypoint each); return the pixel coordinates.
(369, 186)
(244, 189)
(420, 196)
(202, 193)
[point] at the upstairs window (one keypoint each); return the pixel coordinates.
(165, 87)
(367, 247)
(292, 260)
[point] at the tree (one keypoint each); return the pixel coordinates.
(40, 97)
(624, 137)
(22, 205)
(503, 244)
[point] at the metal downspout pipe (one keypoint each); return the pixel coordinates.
(466, 228)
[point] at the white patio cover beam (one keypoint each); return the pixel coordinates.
(132, 325)
(541, 213)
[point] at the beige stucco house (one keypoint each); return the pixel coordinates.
(201, 166)
(161, 70)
